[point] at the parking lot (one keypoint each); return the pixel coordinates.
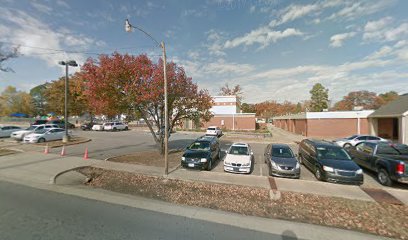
(110, 144)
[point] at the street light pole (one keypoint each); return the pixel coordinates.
(71, 63)
(128, 28)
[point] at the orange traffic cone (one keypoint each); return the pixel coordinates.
(86, 153)
(46, 150)
(63, 151)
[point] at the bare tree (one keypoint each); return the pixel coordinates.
(227, 91)
(6, 55)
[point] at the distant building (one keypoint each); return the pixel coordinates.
(227, 115)
(325, 124)
(389, 121)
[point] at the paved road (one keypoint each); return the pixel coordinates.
(27, 213)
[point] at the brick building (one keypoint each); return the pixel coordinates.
(326, 124)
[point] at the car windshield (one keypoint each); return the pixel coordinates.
(352, 137)
(41, 131)
(239, 150)
(211, 129)
(387, 149)
(333, 153)
(282, 152)
(199, 146)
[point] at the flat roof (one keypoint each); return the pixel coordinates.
(325, 115)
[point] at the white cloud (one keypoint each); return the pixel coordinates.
(193, 54)
(252, 9)
(39, 40)
(62, 3)
(338, 39)
(382, 31)
(221, 67)
(293, 12)
(41, 7)
(263, 36)
(214, 43)
(354, 10)
(383, 52)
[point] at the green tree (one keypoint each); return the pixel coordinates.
(387, 97)
(13, 101)
(319, 98)
(39, 100)
(248, 108)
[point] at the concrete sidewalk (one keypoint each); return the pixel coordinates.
(39, 168)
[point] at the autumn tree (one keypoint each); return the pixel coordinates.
(387, 97)
(13, 101)
(116, 83)
(319, 98)
(54, 96)
(227, 91)
(270, 109)
(5, 55)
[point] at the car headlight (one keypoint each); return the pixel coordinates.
(359, 171)
(274, 165)
(328, 169)
(297, 165)
(203, 160)
(246, 164)
(227, 163)
(183, 158)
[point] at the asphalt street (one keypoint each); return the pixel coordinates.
(27, 213)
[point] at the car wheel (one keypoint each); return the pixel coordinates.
(126, 128)
(114, 129)
(41, 140)
(347, 145)
(219, 155)
(318, 174)
(384, 178)
(209, 167)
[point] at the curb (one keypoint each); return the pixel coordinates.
(69, 144)
(170, 151)
(54, 178)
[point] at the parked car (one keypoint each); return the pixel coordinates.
(6, 131)
(45, 135)
(389, 161)
(61, 123)
(39, 122)
(281, 161)
(161, 131)
(202, 153)
(98, 127)
(19, 135)
(214, 131)
(355, 139)
(114, 126)
(239, 158)
(87, 126)
(329, 162)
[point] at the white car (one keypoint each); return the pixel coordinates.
(19, 135)
(45, 135)
(239, 158)
(214, 131)
(114, 126)
(97, 127)
(355, 139)
(6, 131)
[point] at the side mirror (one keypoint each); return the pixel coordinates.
(252, 153)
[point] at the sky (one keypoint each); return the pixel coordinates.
(275, 49)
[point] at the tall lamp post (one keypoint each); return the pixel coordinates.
(71, 63)
(128, 28)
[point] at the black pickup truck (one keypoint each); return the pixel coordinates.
(389, 161)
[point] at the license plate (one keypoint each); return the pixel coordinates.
(236, 169)
(191, 165)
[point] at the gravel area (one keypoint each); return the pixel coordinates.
(4, 152)
(381, 219)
